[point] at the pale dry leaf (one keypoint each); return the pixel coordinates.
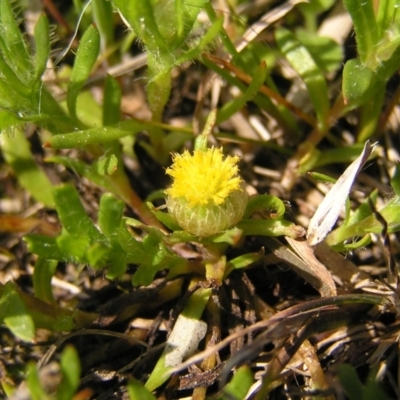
(317, 270)
(329, 209)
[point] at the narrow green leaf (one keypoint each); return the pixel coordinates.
(363, 16)
(395, 181)
(86, 56)
(102, 10)
(7, 119)
(269, 206)
(17, 87)
(12, 44)
(189, 11)
(98, 135)
(240, 384)
(270, 228)
(112, 101)
(141, 18)
(15, 315)
(111, 211)
(300, 58)
(164, 218)
(350, 382)
(72, 214)
(42, 275)
(138, 392)
(245, 260)
(36, 391)
(51, 316)
(236, 105)
(192, 312)
(179, 16)
(373, 388)
(71, 370)
(327, 54)
(16, 151)
(385, 14)
(46, 247)
(42, 46)
(212, 32)
(339, 155)
(370, 114)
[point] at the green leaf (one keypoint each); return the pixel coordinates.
(71, 370)
(111, 211)
(185, 16)
(269, 206)
(112, 101)
(150, 264)
(42, 275)
(350, 382)
(101, 15)
(164, 218)
(98, 255)
(16, 93)
(240, 384)
(42, 46)
(245, 260)
(373, 389)
(141, 18)
(112, 225)
(327, 54)
(385, 15)
(365, 27)
(36, 391)
(269, 228)
(193, 311)
(50, 316)
(395, 181)
(15, 315)
(72, 214)
(86, 56)
(99, 135)
(74, 245)
(390, 212)
(212, 32)
(138, 392)
(338, 155)
(16, 150)
(302, 61)
(358, 82)
(107, 165)
(236, 105)
(7, 119)
(46, 247)
(12, 44)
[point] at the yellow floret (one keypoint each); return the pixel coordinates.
(204, 177)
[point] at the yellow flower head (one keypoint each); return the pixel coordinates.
(204, 177)
(206, 196)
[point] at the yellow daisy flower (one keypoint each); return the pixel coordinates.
(206, 194)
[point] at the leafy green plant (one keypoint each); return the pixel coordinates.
(365, 78)
(207, 207)
(354, 388)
